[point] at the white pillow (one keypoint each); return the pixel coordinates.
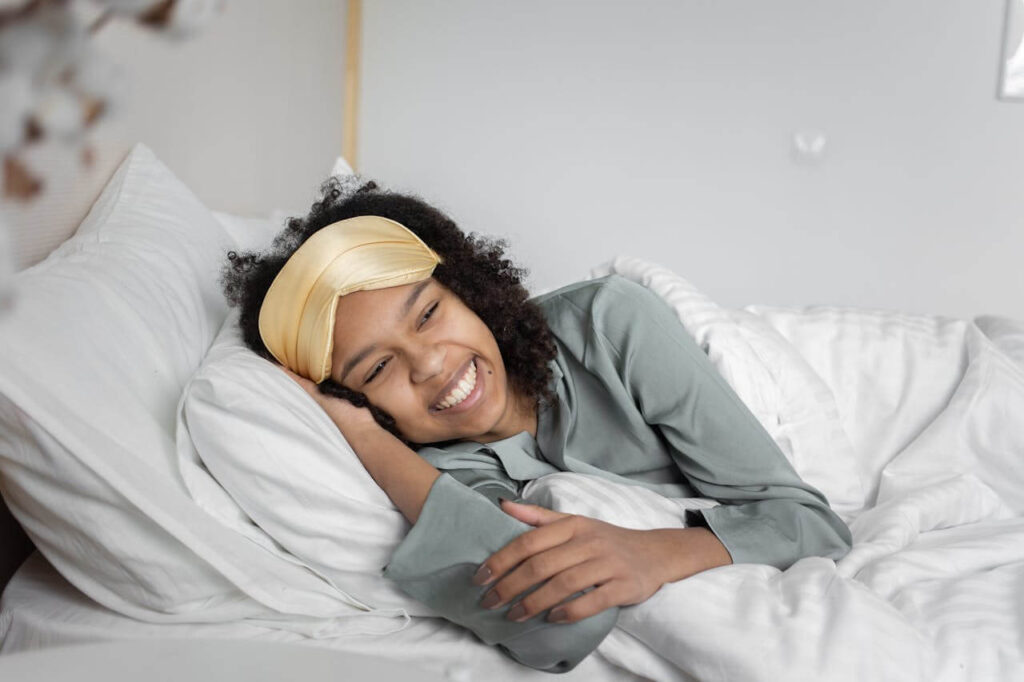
(248, 234)
(291, 479)
(104, 335)
(342, 167)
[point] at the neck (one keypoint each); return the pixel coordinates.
(522, 417)
(527, 414)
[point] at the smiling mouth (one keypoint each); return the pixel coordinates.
(464, 388)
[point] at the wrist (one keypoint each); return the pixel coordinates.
(688, 551)
(364, 438)
(401, 473)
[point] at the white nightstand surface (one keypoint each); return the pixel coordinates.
(178, 660)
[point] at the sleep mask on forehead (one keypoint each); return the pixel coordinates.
(297, 317)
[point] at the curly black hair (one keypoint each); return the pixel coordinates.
(475, 269)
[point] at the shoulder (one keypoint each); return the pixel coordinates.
(607, 299)
(605, 292)
(612, 306)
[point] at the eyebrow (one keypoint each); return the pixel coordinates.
(406, 307)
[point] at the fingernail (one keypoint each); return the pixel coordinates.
(489, 601)
(558, 616)
(482, 575)
(517, 612)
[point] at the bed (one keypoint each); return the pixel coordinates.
(141, 452)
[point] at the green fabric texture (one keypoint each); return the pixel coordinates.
(436, 562)
(638, 403)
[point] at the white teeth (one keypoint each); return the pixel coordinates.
(461, 390)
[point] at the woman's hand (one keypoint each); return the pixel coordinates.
(572, 553)
(352, 421)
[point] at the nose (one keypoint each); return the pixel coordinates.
(426, 362)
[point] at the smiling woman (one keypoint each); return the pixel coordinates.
(476, 288)
(431, 364)
(411, 334)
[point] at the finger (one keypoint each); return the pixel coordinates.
(532, 514)
(586, 605)
(534, 571)
(523, 547)
(563, 586)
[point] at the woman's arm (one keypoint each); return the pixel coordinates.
(401, 473)
(770, 515)
(630, 338)
(567, 551)
(455, 529)
(437, 561)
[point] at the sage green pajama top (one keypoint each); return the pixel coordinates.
(638, 403)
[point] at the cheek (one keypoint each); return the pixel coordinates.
(400, 403)
(486, 341)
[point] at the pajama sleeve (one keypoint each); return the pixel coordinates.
(769, 514)
(458, 528)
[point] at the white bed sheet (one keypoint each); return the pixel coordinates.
(40, 609)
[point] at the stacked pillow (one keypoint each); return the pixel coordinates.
(103, 338)
(279, 462)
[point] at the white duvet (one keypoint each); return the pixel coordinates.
(924, 418)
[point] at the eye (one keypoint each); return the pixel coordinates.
(380, 365)
(376, 371)
(427, 315)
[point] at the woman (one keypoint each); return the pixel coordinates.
(411, 334)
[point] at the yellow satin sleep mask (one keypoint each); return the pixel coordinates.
(358, 254)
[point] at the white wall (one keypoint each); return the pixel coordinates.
(581, 130)
(248, 114)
